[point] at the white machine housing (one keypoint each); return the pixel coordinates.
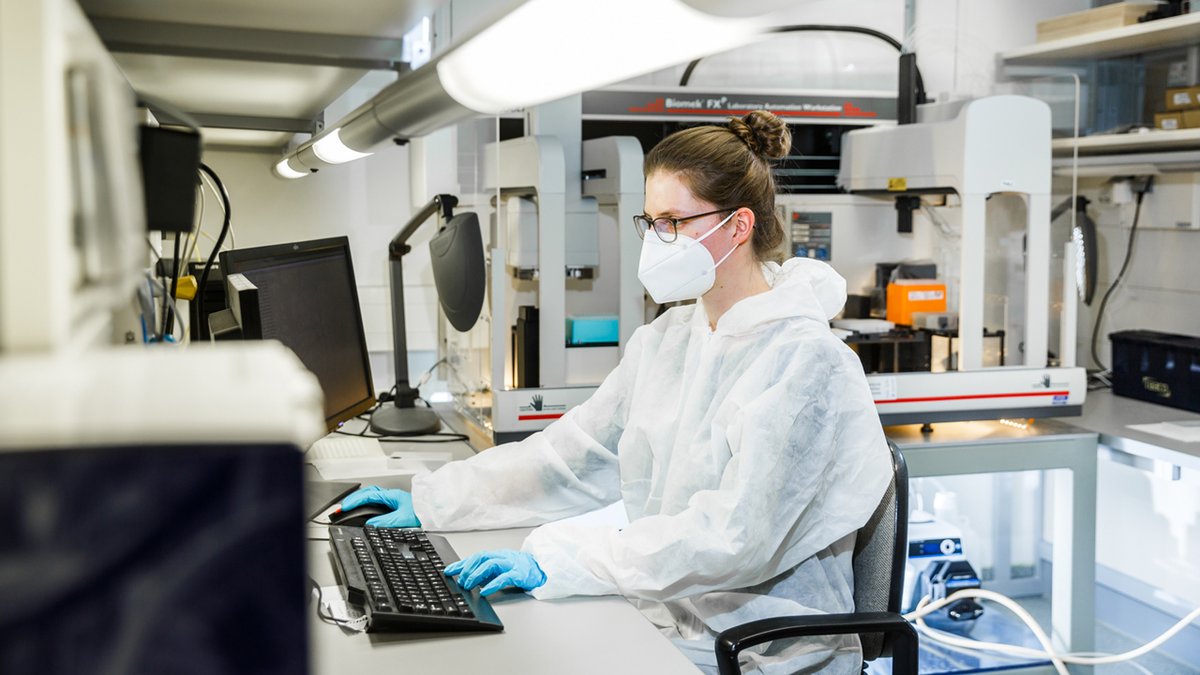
(975, 149)
(544, 196)
(237, 393)
(72, 225)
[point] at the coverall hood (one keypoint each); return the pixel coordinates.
(800, 287)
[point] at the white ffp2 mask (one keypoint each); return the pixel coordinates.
(680, 270)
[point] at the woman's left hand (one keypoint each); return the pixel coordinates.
(497, 569)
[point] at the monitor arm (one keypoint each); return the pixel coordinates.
(403, 418)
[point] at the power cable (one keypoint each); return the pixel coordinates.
(202, 327)
(169, 317)
(1137, 211)
(925, 607)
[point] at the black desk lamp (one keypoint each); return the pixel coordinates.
(459, 275)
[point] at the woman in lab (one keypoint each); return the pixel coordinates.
(738, 432)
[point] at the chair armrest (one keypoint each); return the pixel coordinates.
(903, 636)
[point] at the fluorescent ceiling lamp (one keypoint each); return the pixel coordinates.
(542, 51)
(284, 170)
(547, 49)
(331, 149)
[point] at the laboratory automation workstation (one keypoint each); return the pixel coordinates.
(450, 336)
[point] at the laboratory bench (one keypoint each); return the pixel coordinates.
(1110, 416)
(601, 635)
(607, 634)
(573, 635)
(1069, 453)
(1071, 443)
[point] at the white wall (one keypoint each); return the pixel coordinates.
(367, 201)
(1161, 289)
(957, 40)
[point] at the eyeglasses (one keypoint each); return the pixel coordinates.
(667, 229)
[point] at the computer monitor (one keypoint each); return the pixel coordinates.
(153, 558)
(155, 533)
(308, 300)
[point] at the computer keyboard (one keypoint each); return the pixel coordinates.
(394, 577)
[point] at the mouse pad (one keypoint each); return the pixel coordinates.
(320, 495)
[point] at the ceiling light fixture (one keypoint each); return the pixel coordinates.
(285, 170)
(332, 150)
(541, 51)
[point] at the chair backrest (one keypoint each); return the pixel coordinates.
(880, 551)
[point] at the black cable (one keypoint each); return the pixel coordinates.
(162, 332)
(448, 438)
(1137, 211)
(202, 329)
(442, 437)
(687, 73)
(169, 317)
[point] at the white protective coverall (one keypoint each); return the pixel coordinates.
(746, 456)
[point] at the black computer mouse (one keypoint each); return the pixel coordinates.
(358, 516)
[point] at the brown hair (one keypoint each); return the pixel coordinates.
(731, 166)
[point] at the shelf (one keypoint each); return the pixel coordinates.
(1175, 32)
(1154, 140)
(1129, 164)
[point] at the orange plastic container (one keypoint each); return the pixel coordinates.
(906, 296)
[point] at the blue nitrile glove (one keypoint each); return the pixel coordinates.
(398, 500)
(498, 569)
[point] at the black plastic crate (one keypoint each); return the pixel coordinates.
(1157, 367)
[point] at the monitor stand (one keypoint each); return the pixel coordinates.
(392, 420)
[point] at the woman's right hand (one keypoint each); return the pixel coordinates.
(399, 501)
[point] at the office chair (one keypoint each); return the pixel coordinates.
(880, 551)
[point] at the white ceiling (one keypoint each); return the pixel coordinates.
(254, 88)
(377, 18)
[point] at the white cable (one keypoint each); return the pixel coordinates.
(967, 643)
(194, 236)
(1075, 160)
(185, 327)
(925, 608)
(429, 373)
(943, 227)
(1133, 664)
(212, 188)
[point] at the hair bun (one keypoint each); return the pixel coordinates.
(766, 135)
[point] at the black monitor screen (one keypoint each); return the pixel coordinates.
(153, 559)
(308, 300)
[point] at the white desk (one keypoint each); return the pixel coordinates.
(581, 636)
(1109, 416)
(575, 635)
(958, 448)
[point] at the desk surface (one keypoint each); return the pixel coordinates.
(1109, 416)
(575, 635)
